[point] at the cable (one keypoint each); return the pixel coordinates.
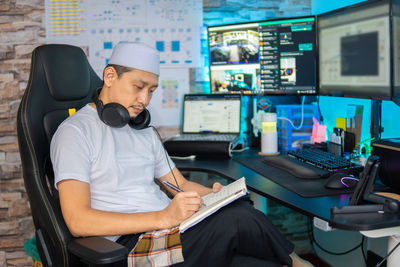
(302, 116)
(319, 110)
(240, 150)
(166, 155)
(314, 241)
(363, 254)
(309, 229)
(191, 157)
(387, 255)
(340, 253)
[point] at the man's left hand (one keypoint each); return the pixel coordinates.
(216, 187)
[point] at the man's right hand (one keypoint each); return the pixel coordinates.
(182, 206)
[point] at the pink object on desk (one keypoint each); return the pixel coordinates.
(318, 132)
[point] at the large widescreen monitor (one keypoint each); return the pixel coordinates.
(356, 53)
(274, 57)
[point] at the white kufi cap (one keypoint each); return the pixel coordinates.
(137, 56)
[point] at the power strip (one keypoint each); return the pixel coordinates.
(322, 225)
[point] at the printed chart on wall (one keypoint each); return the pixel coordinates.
(171, 26)
(173, 84)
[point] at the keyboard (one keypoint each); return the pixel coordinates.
(321, 159)
(206, 137)
(312, 164)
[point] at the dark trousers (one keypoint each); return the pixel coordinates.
(236, 235)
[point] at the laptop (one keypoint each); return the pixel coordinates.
(210, 118)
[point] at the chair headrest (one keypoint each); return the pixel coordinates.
(67, 71)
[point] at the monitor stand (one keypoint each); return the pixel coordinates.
(376, 122)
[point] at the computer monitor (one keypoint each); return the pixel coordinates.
(356, 51)
(273, 57)
(211, 114)
(396, 50)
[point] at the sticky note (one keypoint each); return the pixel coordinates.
(268, 127)
(341, 123)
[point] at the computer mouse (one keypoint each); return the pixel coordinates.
(341, 180)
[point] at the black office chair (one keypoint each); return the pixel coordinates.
(61, 78)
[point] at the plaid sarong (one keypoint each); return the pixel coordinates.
(157, 248)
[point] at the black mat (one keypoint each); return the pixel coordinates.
(302, 187)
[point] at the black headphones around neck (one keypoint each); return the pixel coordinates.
(116, 115)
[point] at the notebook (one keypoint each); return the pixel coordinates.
(210, 118)
(214, 201)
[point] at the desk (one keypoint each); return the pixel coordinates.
(319, 207)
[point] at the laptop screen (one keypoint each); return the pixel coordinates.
(211, 114)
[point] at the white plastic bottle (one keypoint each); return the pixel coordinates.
(269, 135)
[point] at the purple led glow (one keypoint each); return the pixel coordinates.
(348, 178)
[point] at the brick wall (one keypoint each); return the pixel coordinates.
(21, 30)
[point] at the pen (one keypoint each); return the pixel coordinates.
(172, 186)
(176, 188)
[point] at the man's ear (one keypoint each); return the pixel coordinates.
(110, 74)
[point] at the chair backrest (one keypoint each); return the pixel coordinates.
(61, 79)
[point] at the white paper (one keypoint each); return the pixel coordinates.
(166, 105)
(170, 26)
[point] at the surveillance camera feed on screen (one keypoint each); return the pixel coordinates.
(275, 57)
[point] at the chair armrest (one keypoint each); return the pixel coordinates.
(97, 250)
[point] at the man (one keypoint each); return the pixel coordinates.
(105, 163)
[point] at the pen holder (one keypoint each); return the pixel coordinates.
(269, 135)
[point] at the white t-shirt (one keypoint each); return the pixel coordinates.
(120, 164)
